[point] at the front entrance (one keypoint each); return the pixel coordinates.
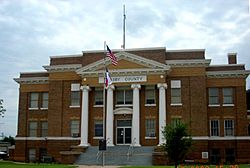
(123, 132)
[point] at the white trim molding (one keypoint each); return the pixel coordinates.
(62, 68)
(32, 80)
(189, 63)
(226, 74)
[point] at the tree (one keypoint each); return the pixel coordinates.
(2, 110)
(9, 139)
(178, 142)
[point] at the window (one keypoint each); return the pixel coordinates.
(213, 96)
(227, 95)
(215, 156)
(75, 94)
(175, 121)
(98, 96)
(45, 100)
(228, 128)
(32, 155)
(34, 100)
(33, 129)
(150, 94)
(214, 127)
(150, 127)
(124, 95)
(175, 92)
(74, 126)
(98, 128)
(230, 155)
(44, 128)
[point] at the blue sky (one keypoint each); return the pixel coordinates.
(33, 30)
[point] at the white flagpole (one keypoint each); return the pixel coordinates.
(104, 92)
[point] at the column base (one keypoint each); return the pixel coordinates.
(137, 145)
(84, 144)
(110, 145)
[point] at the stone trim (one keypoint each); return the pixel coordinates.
(32, 80)
(189, 63)
(226, 74)
(62, 68)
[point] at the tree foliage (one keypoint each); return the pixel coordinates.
(2, 110)
(178, 142)
(9, 139)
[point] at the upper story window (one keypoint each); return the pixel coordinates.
(98, 96)
(34, 100)
(75, 94)
(45, 100)
(124, 96)
(150, 95)
(227, 95)
(213, 94)
(74, 128)
(228, 127)
(214, 128)
(176, 92)
(33, 129)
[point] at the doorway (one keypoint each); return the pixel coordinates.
(123, 132)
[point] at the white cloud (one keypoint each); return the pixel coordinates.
(32, 30)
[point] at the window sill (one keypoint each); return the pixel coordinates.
(97, 137)
(44, 108)
(123, 105)
(213, 105)
(74, 106)
(98, 106)
(228, 105)
(150, 105)
(150, 138)
(34, 108)
(177, 104)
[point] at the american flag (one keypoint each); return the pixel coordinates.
(112, 56)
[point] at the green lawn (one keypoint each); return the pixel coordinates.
(7, 164)
(192, 166)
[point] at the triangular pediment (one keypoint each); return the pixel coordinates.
(127, 62)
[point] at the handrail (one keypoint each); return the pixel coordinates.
(131, 149)
(98, 155)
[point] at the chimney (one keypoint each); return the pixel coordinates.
(232, 58)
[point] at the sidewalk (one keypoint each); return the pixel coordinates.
(86, 166)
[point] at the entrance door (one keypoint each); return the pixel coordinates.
(123, 132)
(123, 135)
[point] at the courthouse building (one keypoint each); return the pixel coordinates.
(64, 105)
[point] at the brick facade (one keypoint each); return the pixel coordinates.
(190, 67)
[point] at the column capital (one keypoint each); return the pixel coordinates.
(85, 88)
(162, 85)
(110, 87)
(136, 86)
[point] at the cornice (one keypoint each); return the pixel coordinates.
(32, 80)
(189, 63)
(226, 74)
(122, 72)
(62, 68)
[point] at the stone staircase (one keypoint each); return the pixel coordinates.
(117, 155)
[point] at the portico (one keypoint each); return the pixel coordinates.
(124, 99)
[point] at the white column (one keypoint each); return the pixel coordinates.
(85, 116)
(110, 116)
(136, 115)
(162, 110)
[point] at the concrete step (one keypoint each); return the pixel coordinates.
(117, 155)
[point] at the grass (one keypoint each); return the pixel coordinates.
(8, 164)
(191, 166)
